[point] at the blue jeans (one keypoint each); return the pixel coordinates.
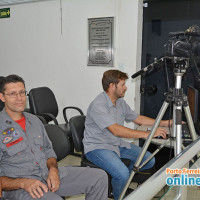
(112, 164)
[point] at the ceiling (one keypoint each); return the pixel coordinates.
(10, 2)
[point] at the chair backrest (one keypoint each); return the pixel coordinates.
(42, 100)
(1, 105)
(1, 102)
(60, 142)
(77, 126)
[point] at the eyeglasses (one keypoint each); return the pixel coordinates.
(14, 94)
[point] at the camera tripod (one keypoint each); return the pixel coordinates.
(179, 100)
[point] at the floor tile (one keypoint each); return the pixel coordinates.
(192, 194)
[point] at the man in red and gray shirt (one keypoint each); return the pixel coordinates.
(28, 166)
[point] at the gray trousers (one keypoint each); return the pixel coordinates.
(80, 180)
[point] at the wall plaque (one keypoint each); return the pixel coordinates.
(100, 37)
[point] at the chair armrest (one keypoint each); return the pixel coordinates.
(50, 116)
(71, 107)
(42, 119)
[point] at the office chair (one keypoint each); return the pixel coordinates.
(1, 105)
(1, 102)
(60, 142)
(77, 125)
(42, 102)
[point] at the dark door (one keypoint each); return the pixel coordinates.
(159, 18)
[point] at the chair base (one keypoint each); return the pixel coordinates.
(75, 154)
(72, 151)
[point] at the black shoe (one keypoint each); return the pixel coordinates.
(128, 191)
(142, 176)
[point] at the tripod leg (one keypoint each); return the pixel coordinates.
(178, 129)
(190, 122)
(181, 191)
(173, 134)
(145, 146)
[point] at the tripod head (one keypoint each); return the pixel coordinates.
(180, 65)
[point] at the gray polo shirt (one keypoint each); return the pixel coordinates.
(102, 114)
(24, 154)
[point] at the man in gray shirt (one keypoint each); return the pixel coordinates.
(28, 166)
(104, 127)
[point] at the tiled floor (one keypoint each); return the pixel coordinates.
(75, 161)
(72, 161)
(192, 194)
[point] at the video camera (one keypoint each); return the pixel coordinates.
(179, 48)
(184, 43)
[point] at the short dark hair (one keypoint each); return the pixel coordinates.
(112, 76)
(10, 79)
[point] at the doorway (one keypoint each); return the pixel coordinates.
(160, 17)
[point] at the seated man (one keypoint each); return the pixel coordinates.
(104, 128)
(28, 166)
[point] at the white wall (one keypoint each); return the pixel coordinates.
(48, 47)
